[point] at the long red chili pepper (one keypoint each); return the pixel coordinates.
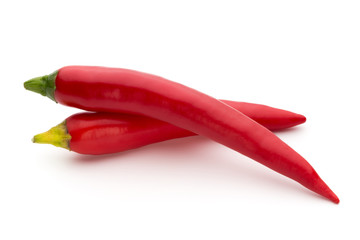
(103, 133)
(126, 91)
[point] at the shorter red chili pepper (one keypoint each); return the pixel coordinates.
(103, 133)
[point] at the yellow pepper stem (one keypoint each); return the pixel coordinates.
(57, 136)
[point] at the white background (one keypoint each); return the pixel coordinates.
(301, 56)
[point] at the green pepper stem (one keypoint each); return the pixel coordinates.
(44, 85)
(57, 136)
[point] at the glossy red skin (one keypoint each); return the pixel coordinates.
(103, 133)
(271, 118)
(127, 91)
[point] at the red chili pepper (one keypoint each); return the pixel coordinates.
(126, 91)
(103, 133)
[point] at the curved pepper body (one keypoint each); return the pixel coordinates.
(127, 91)
(104, 133)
